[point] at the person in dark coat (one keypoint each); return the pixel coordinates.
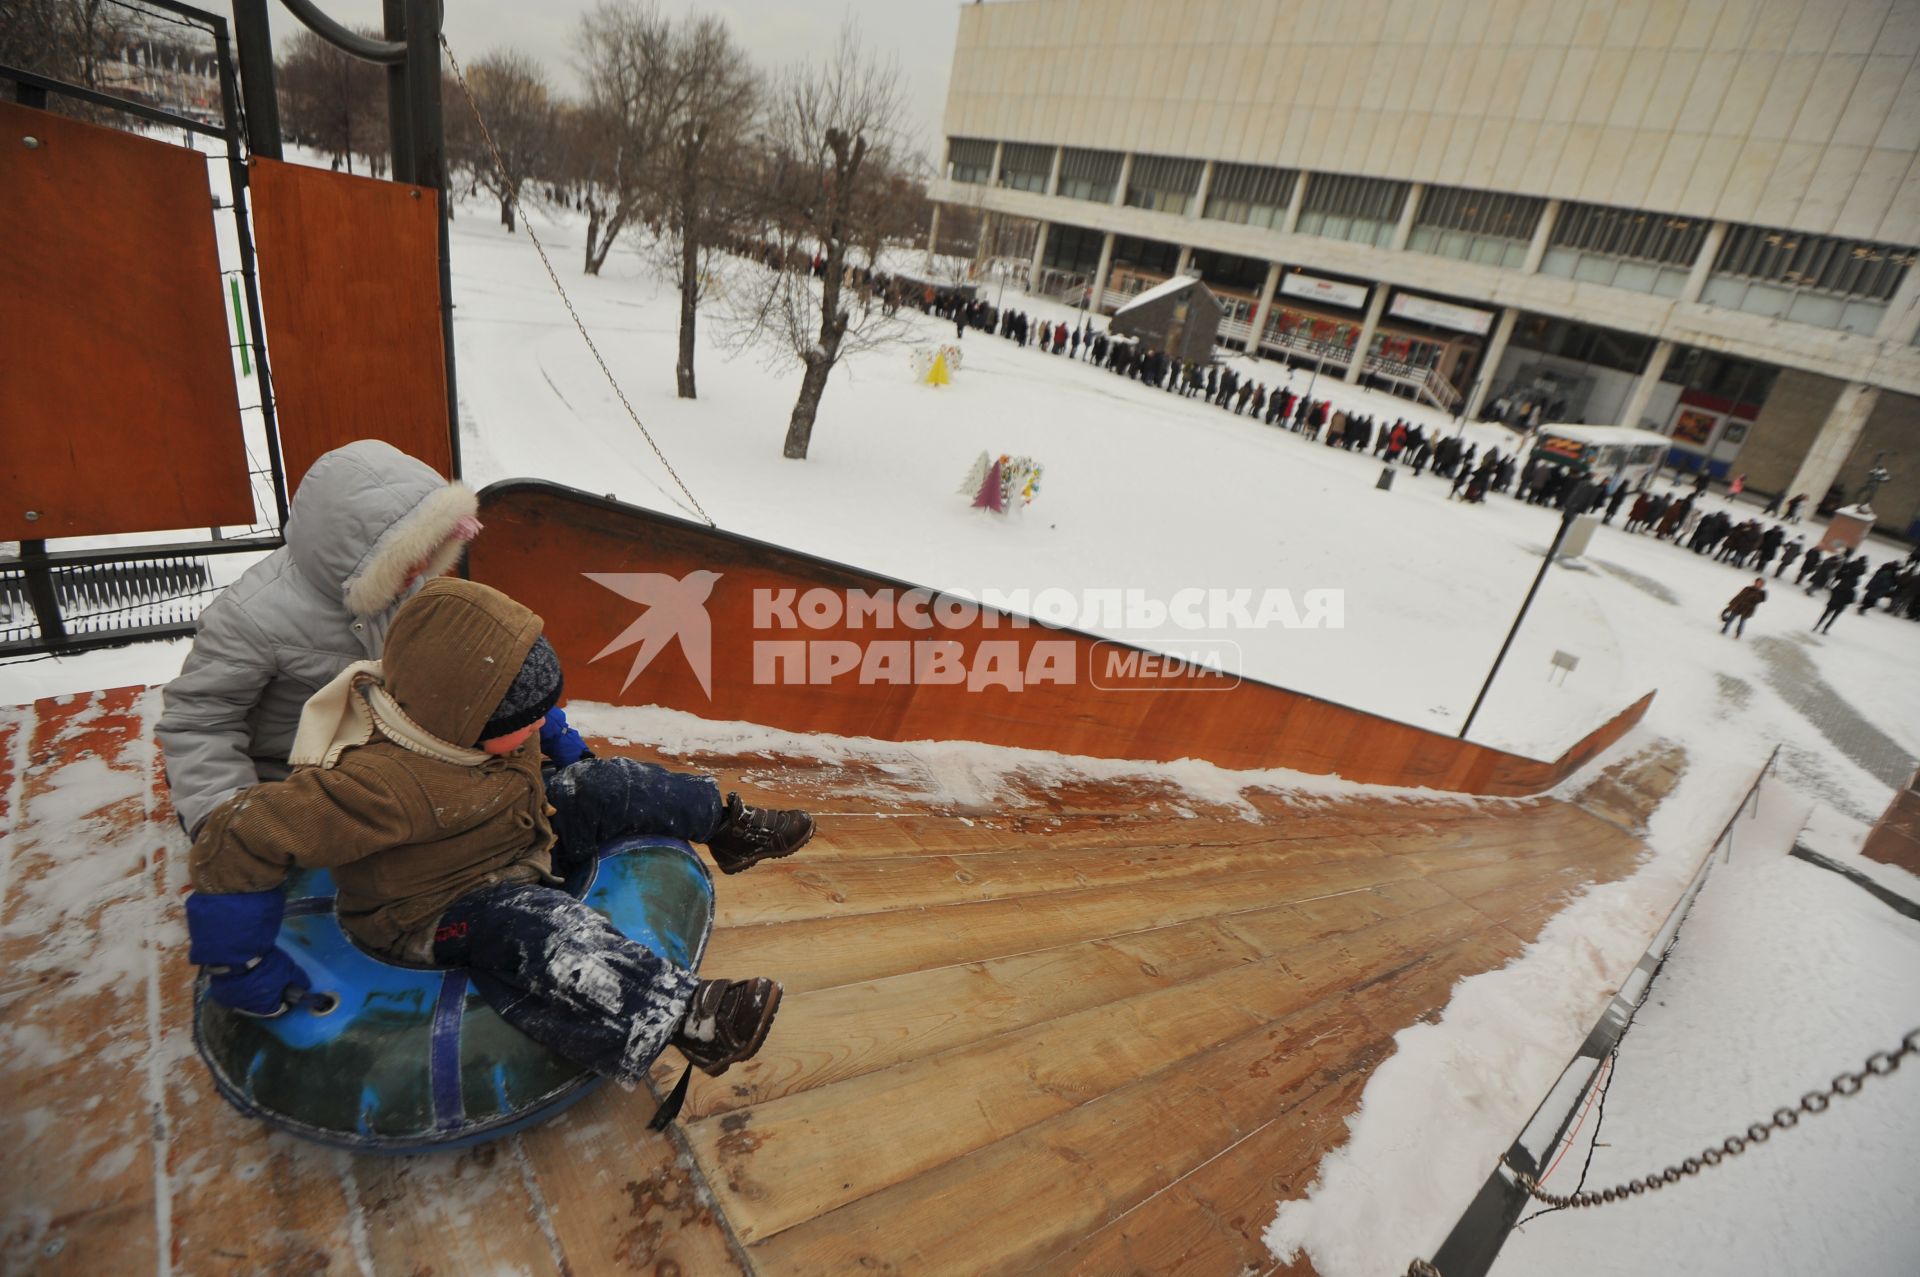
(1879, 587)
(1614, 503)
(1300, 411)
(1213, 381)
(1823, 576)
(1241, 395)
(1838, 598)
(1808, 565)
(1741, 608)
(1788, 553)
(1770, 545)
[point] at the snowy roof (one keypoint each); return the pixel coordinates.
(1158, 291)
(1606, 434)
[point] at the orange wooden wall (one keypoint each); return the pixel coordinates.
(118, 410)
(350, 294)
(541, 540)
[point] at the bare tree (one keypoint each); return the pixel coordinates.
(333, 101)
(702, 161)
(511, 94)
(625, 62)
(830, 173)
(68, 40)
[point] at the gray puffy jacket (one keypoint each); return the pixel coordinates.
(365, 516)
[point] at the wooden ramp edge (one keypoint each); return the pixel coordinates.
(1095, 1028)
(648, 609)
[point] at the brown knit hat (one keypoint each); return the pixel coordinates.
(453, 651)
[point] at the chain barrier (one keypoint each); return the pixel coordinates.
(1879, 1064)
(506, 179)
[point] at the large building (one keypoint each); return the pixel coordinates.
(1694, 215)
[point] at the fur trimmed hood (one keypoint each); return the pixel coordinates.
(367, 513)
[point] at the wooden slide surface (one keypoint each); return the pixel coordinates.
(1089, 1029)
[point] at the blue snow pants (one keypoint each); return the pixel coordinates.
(555, 969)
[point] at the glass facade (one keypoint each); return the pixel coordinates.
(1088, 175)
(1808, 279)
(1586, 343)
(1624, 248)
(1362, 209)
(1162, 184)
(969, 159)
(1025, 166)
(1475, 226)
(1250, 195)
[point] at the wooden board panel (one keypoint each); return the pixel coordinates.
(114, 354)
(1052, 1183)
(1119, 1035)
(780, 1163)
(742, 609)
(350, 294)
(78, 1182)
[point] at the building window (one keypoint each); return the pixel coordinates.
(1475, 226)
(1741, 380)
(1250, 195)
(1089, 175)
(969, 159)
(1162, 183)
(1806, 279)
(1605, 347)
(1026, 166)
(1362, 209)
(1073, 248)
(1225, 270)
(1149, 255)
(1624, 248)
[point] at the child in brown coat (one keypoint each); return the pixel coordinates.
(418, 783)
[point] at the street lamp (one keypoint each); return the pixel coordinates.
(1572, 512)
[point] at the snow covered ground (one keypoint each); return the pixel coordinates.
(1802, 972)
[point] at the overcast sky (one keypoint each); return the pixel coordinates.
(917, 33)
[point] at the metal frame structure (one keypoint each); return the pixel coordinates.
(416, 136)
(250, 126)
(39, 568)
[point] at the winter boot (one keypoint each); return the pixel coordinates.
(749, 835)
(727, 1021)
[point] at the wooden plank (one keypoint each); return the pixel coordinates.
(834, 1034)
(618, 1198)
(801, 889)
(78, 1181)
(1210, 1221)
(792, 1159)
(1021, 1202)
(824, 952)
(472, 1211)
(243, 1199)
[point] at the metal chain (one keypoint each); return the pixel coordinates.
(506, 179)
(1879, 1064)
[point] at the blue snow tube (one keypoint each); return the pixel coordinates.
(383, 1058)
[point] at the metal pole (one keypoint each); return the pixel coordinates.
(430, 169)
(237, 183)
(253, 40)
(399, 129)
(1566, 521)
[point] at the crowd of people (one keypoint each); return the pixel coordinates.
(1680, 515)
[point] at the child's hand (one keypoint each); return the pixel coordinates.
(265, 989)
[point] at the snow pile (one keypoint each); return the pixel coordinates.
(1436, 1116)
(966, 776)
